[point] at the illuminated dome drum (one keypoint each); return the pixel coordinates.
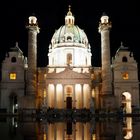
(69, 45)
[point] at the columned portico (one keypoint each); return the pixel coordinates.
(63, 96)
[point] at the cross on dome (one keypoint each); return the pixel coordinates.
(69, 12)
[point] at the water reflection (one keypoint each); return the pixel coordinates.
(96, 129)
(69, 131)
(128, 130)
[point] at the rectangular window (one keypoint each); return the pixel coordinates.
(13, 76)
(69, 58)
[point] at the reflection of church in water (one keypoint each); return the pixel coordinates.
(103, 129)
(69, 80)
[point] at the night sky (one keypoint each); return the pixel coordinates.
(123, 14)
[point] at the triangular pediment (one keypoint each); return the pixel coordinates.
(68, 73)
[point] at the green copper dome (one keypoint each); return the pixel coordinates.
(69, 33)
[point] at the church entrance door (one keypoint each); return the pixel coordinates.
(69, 102)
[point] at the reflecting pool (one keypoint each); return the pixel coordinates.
(14, 128)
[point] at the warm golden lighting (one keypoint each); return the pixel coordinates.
(78, 87)
(45, 94)
(93, 93)
(13, 76)
(44, 137)
(94, 137)
(125, 76)
(69, 90)
(128, 128)
(51, 95)
(45, 75)
(69, 58)
(59, 87)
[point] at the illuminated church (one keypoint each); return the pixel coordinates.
(69, 81)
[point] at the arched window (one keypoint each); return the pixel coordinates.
(124, 59)
(13, 59)
(69, 58)
(69, 38)
(69, 90)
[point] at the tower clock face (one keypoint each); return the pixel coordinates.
(124, 68)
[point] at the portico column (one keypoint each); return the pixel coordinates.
(83, 87)
(74, 101)
(63, 98)
(55, 100)
(82, 95)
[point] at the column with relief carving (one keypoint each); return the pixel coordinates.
(104, 30)
(33, 30)
(31, 85)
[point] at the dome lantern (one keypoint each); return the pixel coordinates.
(69, 19)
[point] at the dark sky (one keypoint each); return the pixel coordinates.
(124, 15)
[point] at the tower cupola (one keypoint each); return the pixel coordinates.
(32, 20)
(104, 23)
(104, 19)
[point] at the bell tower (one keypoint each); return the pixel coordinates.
(125, 79)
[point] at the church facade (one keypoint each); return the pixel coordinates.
(69, 81)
